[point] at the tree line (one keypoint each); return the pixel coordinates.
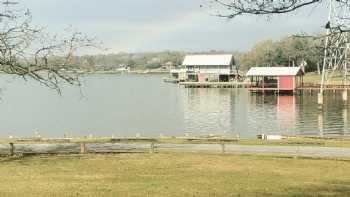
(136, 61)
(289, 51)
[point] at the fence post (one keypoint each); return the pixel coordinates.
(83, 149)
(12, 149)
(223, 148)
(297, 153)
(152, 148)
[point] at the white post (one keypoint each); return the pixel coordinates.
(346, 64)
(345, 92)
(324, 69)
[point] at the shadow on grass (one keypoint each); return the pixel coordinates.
(329, 188)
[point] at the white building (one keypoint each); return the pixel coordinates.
(203, 68)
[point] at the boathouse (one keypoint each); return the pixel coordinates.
(206, 68)
(275, 78)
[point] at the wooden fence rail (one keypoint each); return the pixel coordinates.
(14, 149)
(83, 148)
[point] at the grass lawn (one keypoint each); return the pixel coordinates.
(175, 174)
(335, 79)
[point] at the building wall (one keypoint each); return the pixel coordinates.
(286, 82)
(216, 71)
(210, 69)
(182, 76)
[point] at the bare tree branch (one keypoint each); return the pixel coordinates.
(260, 7)
(30, 52)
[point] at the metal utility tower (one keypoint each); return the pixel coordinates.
(337, 42)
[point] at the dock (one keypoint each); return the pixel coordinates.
(314, 88)
(304, 87)
(215, 84)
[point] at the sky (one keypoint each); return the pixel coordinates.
(176, 25)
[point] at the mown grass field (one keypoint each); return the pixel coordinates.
(314, 78)
(173, 174)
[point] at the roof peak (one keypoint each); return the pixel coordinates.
(274, 71)
(208, 60)
(204, 54)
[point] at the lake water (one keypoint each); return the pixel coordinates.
(129, 105)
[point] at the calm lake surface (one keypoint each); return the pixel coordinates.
(129, 105)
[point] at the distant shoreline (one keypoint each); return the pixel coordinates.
(114, 72)
(131, 72)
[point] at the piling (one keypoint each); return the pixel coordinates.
(320, 98)
(345, 95)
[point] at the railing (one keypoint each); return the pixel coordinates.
(204, 71)
(178, 70)
(265, 85)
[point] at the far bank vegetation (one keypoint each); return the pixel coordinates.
(289, 51)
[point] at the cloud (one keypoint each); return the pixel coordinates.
(155, 25)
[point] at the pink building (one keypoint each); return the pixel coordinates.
(275, 78)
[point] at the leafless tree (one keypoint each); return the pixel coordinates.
(234, 8)
(31, 53)
(261, 7)
(337, 27)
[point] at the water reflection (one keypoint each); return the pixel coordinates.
(286, 113)
(208, 111)
(320, 123)
(345, 119)
(236, 111)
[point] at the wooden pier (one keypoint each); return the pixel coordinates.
(307, 87)
(298, 90)
(215, 84)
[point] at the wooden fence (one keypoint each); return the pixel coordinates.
(12, 149)
(83, 148)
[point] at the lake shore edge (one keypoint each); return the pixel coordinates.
(285, 141)
(291, 147)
